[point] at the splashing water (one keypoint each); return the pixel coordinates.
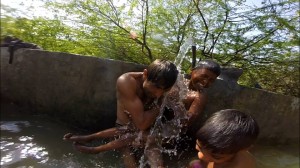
(182, 52)
(168, 126)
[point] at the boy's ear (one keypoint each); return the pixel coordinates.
(145, 74)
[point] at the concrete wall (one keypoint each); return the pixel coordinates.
(81, 91)
(277, 115)
(77, 89)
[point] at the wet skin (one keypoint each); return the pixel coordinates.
(240, 159)
(207, 156)
(201, 78)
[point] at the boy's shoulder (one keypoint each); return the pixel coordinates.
(128, 78)
(244, 159)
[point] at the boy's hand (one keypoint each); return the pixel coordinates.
(67, 137)
(75, 138)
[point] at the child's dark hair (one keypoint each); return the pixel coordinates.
(227, 132)
(163, 73)
(210, 65)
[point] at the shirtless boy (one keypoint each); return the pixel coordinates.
(223, 141)
(138, 102)
(201, 77)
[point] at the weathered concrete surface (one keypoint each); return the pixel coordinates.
(81, 91)
(277, 115)
(78, 89)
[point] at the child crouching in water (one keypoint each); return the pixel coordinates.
(223, 141)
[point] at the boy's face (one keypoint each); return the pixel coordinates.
(207, 156)
(152, 90)
(202, 78)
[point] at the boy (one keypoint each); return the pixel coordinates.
(223, 141)
(201, 77)
(186, 110)
(190, 106)
(138, 102)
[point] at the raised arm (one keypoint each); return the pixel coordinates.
(196, 102)
(127, 95)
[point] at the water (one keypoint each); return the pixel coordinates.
(168, 125)
(36, 141)
(182, 51)
(280, 156)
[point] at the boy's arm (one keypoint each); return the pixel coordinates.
(197, 106)
(127, 94)
(108, 133)
(116, 144)
(245, 160)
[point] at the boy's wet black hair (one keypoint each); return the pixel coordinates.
(163, 73)
(227, 132)
(210, 65)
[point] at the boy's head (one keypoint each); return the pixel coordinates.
(224, 134)
(204, 74)
(209, 65)
(159, 77)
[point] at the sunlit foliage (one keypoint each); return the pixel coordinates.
(263, 40)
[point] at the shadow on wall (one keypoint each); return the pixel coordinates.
(80, 90)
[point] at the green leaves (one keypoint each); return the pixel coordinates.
(263, 39)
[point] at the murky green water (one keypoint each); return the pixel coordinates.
(277, 156)
(36, 142)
